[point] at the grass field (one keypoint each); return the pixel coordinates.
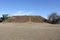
(29, 31)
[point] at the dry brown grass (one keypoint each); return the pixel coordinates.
(29, 31)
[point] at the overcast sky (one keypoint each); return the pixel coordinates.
(29, 7)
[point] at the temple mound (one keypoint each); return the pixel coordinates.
(21, 19)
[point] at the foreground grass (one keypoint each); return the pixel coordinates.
(29, 31)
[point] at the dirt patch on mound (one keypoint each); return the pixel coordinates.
(25, 19)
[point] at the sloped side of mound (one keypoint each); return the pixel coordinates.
(37, 19)
(21, 19)
(18, 19)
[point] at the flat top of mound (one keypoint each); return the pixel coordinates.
(25, 19)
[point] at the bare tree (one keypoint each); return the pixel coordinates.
(4, 17)
(53, 17)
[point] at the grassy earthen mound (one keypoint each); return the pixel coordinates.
(21, 19)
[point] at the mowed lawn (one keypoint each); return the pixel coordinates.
(29, 31)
